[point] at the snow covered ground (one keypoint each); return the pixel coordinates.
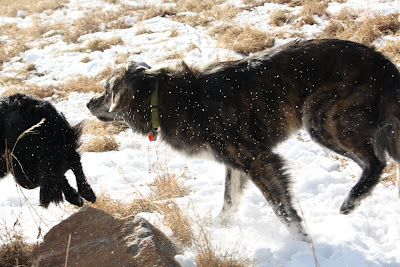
(368, 237)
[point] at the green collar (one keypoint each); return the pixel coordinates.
(154, 107)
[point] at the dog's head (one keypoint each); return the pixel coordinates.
(121, 97)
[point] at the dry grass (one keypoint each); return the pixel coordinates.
(280, 17)
(202, 13)
(14, 251)
(103, 133)
(363, 31)
(10, 7)
(96, 127)
(391, 49)
(179, 223)
(95, 21)
(121, 209)
(78, 83)
(314, 7)
(255, 3)
(210, 256)
(101, 44)
(167, 186)
(100, 144)
(244, 40)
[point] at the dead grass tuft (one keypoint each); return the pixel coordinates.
(96, 127)
(391, 49)
(244, 40)
(363, 31)
(178, 222)
(209, 256)
(102, 45)
(78, 83)
(202, 13)
(280, 17)
(121, 209)
(314, 7)
(100, 144)
(10, 7)
(103, 133)
(15, 251)
(167, 186)
(255, 3)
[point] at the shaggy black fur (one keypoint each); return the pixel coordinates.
(345, 94)
(41, 156)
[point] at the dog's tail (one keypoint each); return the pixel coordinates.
(387, 138)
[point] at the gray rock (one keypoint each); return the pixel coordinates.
(98, 239)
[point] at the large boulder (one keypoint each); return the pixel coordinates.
(99, 239)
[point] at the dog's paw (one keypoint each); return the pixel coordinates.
(349, 205)
(74, 198)
(88, 194)
(223, 219)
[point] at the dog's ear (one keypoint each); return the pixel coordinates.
(115, 102)
(134, 67)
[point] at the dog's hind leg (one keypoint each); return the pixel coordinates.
(268, 174)
(83, 187)
(361, 151)
(372, 170)
(235, 182)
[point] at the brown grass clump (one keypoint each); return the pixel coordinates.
(102, 45)
(79, 83)
(10, 7)
(166, 186)
(96, 127)
(103, 139)
(209, 256)
(365, 31)
(31, 89)
(202, 13)
(14, 251)
(178, 222)
(13, 47)
(255, 3)
(100, 144)
(95, 21)
(279, 17)
(244, 40)
(121, 209)
(314, 7)
(196, 6)
(391, 49)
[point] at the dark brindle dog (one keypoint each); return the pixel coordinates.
(346, 95)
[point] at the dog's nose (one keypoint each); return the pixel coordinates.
(88, 105)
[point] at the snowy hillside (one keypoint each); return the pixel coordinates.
(60, 52)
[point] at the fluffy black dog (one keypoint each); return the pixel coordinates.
(38, 146)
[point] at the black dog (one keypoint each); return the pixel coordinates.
(345, 94)
(38, 146)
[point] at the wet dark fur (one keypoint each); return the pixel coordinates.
(42, 156)
(345, 94)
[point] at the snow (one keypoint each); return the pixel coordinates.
(368, 237)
